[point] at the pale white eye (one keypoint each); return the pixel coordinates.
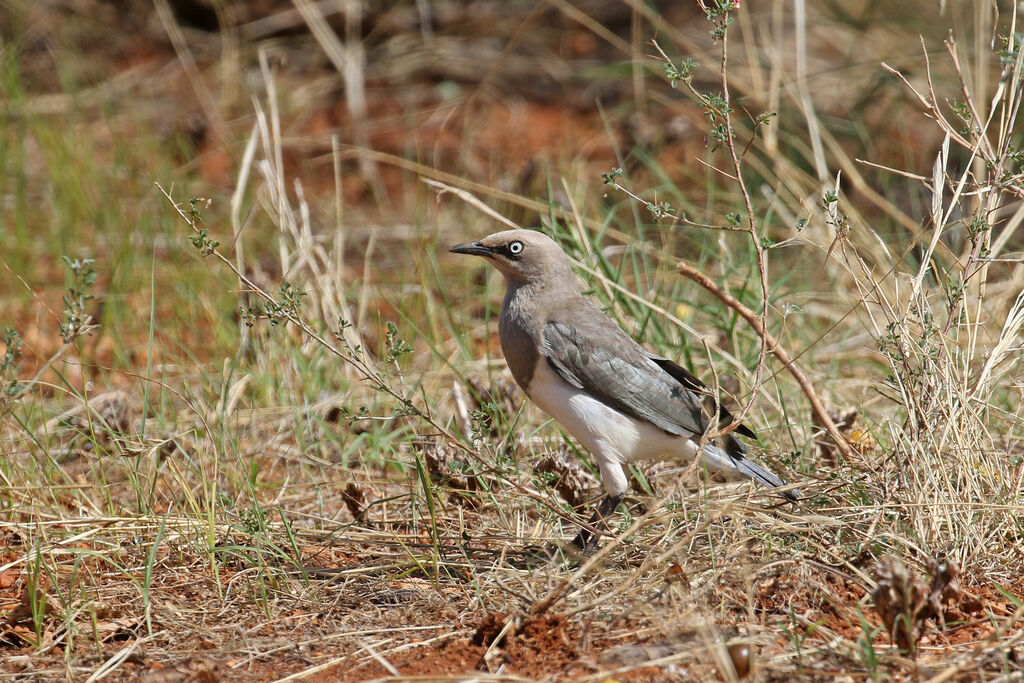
(515, 247)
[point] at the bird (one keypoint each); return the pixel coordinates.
(622, 402)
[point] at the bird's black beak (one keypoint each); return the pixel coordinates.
(474, 248)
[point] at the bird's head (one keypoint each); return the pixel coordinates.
(522, 256)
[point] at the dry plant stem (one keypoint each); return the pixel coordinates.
(562, 589)
(994, 158)
(992, 640)
(349, 58)
(653, 561)
(929, 101)
(772, 345)
(979, 121)
(85, 327)
(992, 198)
(736, 176)
(369, 375)
(188, 63)
(86, 324)
(754, 238)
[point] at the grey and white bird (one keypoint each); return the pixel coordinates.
(622, 402)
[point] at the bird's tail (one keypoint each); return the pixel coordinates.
(719, 460)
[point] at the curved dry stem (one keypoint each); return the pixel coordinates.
(776, 349)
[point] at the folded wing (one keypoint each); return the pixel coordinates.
(610, 366)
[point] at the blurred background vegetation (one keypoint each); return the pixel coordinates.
(103, 99)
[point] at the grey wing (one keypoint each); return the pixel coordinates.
(691, 382)
(610, 366)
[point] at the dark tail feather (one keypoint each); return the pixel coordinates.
(732, 458)
(762, 476)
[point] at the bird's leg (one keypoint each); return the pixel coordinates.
(586, 541)
(583, 545)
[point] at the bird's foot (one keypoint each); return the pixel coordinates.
(584, 545)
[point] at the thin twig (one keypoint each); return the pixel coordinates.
(355, 360)
(776, 349)
(755, 239)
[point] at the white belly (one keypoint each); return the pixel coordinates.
(610, 436)
(614, 438)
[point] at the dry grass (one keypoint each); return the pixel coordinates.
(232, 480)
